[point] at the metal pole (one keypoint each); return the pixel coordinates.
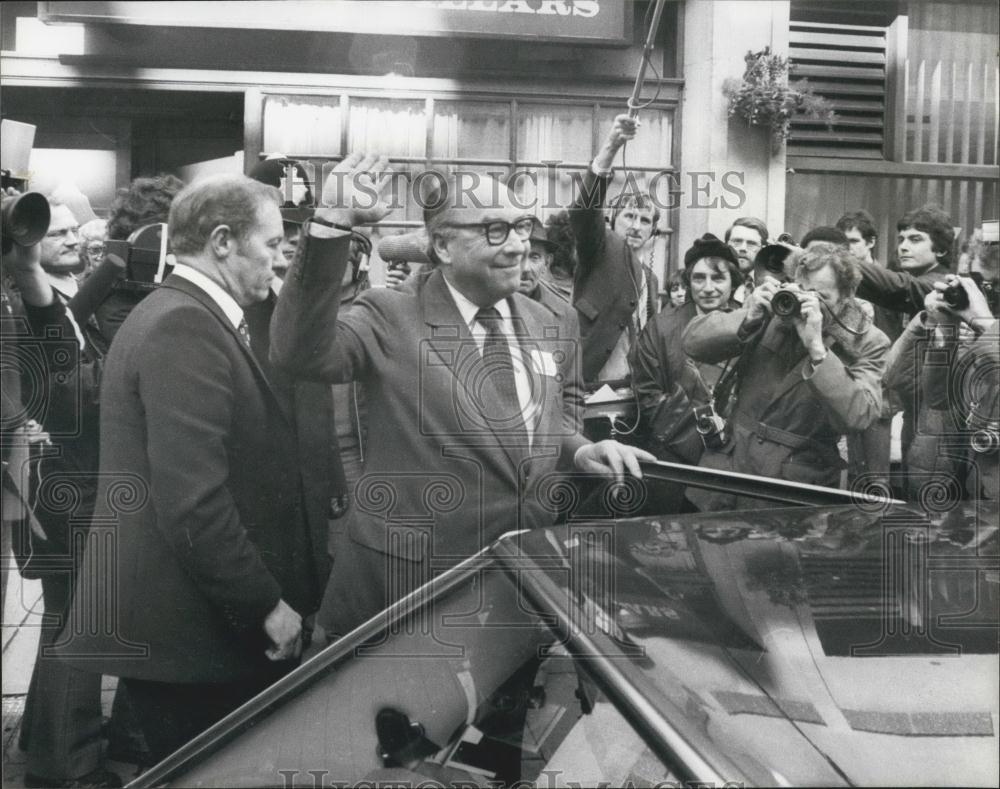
(633, 109)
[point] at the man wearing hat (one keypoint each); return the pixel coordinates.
(668, 383)
(534, 283)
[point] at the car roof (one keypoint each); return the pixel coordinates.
(799, 644)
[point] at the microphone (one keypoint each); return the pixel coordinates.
(406, 247)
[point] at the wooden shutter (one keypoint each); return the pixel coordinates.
(846, 64)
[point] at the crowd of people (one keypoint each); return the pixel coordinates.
(261, 448)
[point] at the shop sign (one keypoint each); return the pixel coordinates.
(571, 21)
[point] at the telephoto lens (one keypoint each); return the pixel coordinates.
(25, 219)
(785, 304)
(772, 259)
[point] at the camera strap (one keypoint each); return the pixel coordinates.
(724, 393)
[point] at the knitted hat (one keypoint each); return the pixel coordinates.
(709, 246)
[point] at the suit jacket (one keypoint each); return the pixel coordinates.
(787, 416)
(310, 405)
(439, 480)
(210, 532)
(545, 294)
(607, 278)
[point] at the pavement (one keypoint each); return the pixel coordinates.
(21, 617)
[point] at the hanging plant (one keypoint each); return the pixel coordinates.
(764, 97)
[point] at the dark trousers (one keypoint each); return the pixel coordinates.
(61, 727)
(172, 713)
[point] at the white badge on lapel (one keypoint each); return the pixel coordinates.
(542, 363)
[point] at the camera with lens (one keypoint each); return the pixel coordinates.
(772, 257)
(25, 219)
(956, 297)
(145, 257)
(713, 428)
(785, 304)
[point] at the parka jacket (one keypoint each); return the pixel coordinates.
(788, 414)
(669, 385)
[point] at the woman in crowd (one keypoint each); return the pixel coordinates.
(676, 291)
(92, 235)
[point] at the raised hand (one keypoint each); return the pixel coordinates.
(355, 192)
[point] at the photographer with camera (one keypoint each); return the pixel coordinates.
(671, 386)
(61, 727)
(109, 294)
(946, 365)
(810, 370)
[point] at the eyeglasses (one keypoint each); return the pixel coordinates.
(498, 231)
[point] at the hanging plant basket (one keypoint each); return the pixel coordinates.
(764, 97)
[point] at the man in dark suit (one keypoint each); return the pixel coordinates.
(474, 390)
(309, 404)
(212, 564)
(614, 290)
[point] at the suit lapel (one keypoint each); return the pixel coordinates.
(186, 286)
(456, 348)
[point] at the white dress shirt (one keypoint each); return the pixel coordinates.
(522, 380)
(226, 303)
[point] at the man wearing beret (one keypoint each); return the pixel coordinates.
(668, 383)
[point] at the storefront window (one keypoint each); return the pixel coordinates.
(951, 83)
(471, 130)
(302, 125)
(562, 133)
(392, 127)
(652, 144)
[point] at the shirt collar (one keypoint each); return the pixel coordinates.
(226, 303)
(468, 310)
(67, 286)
